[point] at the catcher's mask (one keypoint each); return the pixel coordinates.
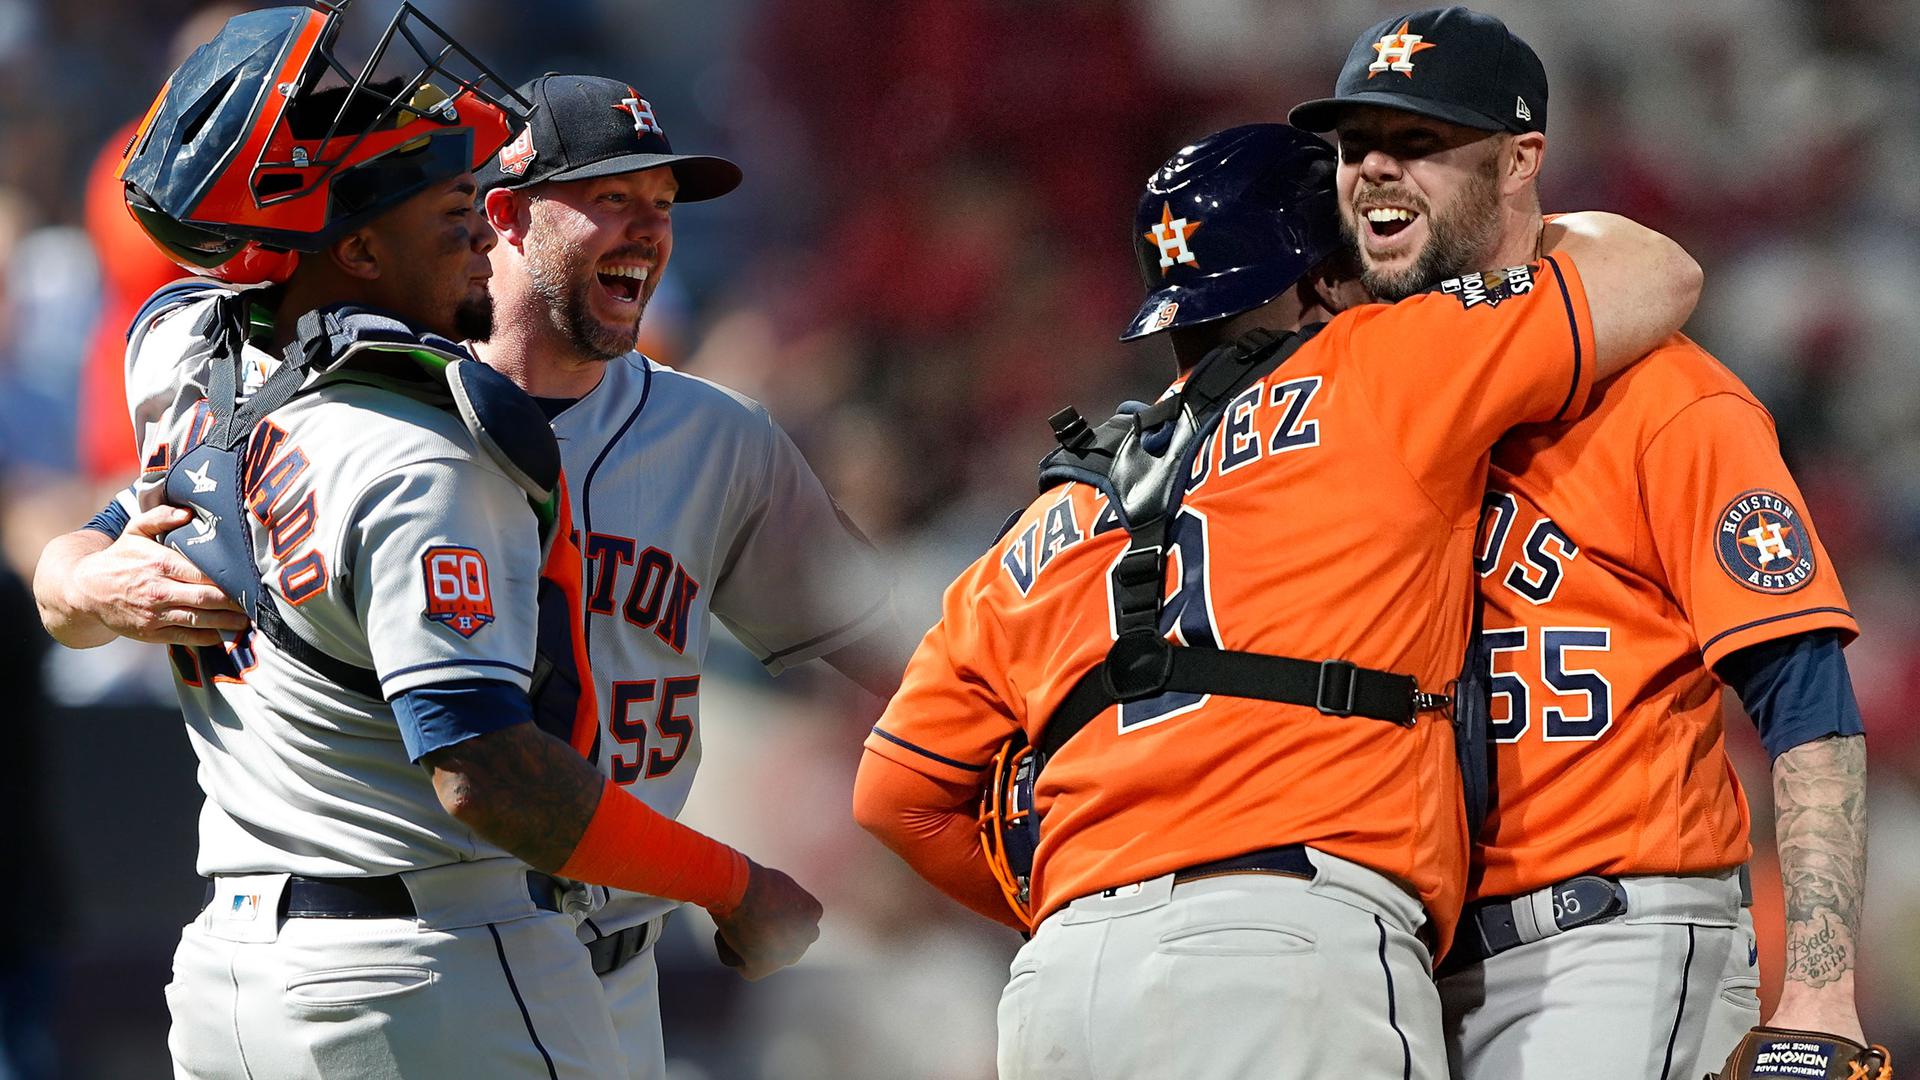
(1009, 825)
(264, 144)
(1231, 222)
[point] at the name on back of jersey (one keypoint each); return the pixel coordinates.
(269, 472)
(1263, 421)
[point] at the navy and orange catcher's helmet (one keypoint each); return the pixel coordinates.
(1231, 222)
(264, 144)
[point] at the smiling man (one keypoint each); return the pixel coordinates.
(1635, 558)
(689, 501)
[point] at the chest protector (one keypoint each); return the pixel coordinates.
(346, 343)
(1140, 459)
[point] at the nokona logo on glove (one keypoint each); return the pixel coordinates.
(1768, 1052)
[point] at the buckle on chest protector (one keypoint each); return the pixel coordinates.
(1334, 694)
(1138, 665)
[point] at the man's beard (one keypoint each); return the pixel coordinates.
(473, 318)
(566, 295)
(1456, 244)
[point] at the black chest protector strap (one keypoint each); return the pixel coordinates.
(209, 478)
(1142, 460)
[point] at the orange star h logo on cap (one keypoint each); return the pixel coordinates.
(642, 113)
(1396, 52)
(1171, 237)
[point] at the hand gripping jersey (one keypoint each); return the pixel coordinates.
(1331, 515)
(387, 538)
(690, 503)
(1623, 554)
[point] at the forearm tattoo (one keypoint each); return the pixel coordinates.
(533, 794)
(1820, 796)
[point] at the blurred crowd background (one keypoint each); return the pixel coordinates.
(930, 254)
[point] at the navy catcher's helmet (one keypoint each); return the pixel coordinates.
(1231, 222)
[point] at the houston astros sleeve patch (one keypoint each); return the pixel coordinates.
(458, 596)
(1763, 544)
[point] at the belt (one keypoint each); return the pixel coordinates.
(374, 897)
(1288, 859)
(615, 949)
(1491, 927)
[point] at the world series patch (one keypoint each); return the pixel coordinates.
(1763, 543)
(1489, 288)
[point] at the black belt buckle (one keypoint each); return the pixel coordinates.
(1339, 679)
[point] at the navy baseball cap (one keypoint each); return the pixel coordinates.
(583, 126)
(1452, 64)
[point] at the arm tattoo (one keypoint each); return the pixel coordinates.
(1820, 795)
(520, 789)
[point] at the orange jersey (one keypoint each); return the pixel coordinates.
(1623, 554)
(1330, 515)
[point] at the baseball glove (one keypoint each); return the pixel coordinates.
(1803, 1055)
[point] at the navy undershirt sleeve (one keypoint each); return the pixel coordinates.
(441, 715)
(1796, 688)
(111, 520)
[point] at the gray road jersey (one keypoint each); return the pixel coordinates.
(690, 502)
(390, 540)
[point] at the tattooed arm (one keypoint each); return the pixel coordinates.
(521, 789)
(531, 794)
(1820, 794)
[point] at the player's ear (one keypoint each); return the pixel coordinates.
(1521, 158)
(510, 213)
(355, 255)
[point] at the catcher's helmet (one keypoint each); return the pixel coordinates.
(1231, 222)
(263, 144)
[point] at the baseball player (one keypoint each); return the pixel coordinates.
(1636, 555)
(1251, 839)
(689, 501)
(374, 502)
(748, 534)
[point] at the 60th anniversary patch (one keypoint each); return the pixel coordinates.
(1763, 543)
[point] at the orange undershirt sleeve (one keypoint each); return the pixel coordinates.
(934, 826)
(630, 845)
